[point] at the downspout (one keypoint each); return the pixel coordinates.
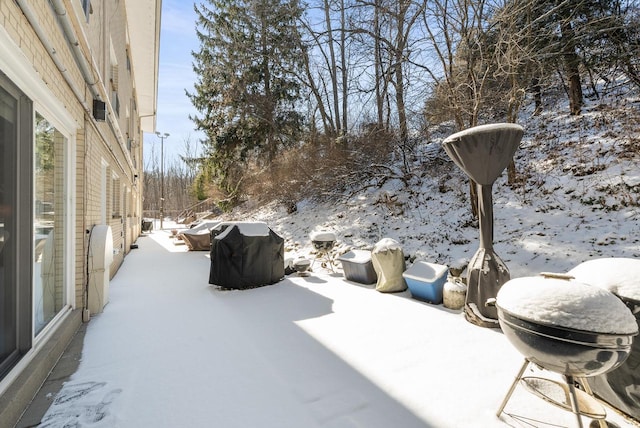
(69, 33)
(86, 315)
(53, 53)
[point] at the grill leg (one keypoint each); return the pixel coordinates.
(574, 400)
(513, 387)
(602, 423)
(324, 257)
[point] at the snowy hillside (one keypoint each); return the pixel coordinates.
(578, 197)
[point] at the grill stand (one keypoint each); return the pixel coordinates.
(324, 254)
(576, 399)
(326, 260)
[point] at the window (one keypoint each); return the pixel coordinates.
(115, 197)
(115, 102)
(48, 240)
(114, 79)
(130, 203)
(114, 76)
(103, 191)
(86, 7)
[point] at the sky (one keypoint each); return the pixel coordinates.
(177, 40)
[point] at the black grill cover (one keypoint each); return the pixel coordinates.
(245, 261)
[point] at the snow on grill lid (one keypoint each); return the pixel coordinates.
(322, 236)
(568, 304)
(619, 275)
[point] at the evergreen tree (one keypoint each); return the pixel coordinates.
(246, 92)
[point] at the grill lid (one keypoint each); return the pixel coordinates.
(569, 304)
(322, 236)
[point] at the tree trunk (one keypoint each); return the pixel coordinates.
(473, 198)
(334, 68)
(327, 120)
(378, 65)
(537, 95)
(268, 97)
(572, 64)
(402, 112)
(343, 71)
(511, 172)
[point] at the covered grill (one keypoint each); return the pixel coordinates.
(566, 327)
(323, 240)
(245, 255)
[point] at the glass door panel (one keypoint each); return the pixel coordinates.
(8, 230)
(48, 237)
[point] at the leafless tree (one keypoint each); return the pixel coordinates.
(179, 176)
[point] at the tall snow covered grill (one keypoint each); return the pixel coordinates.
(483, 152)
(566, 327)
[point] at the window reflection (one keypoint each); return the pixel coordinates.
(48, 281)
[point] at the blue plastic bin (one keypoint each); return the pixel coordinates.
(426, 281)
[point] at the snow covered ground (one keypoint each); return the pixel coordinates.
(319, 351)
(171, 350)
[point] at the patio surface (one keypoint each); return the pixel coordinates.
(170, 350)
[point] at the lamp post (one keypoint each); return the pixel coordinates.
(162, 137)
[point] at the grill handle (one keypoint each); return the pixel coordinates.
(556, 275)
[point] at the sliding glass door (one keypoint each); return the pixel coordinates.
(8, 300)
(33, 224)
(16, 133)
